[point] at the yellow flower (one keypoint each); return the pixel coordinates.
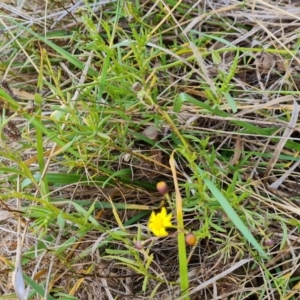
(159, 222)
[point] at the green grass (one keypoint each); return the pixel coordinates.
(127, 97)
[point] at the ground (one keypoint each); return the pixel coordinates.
(149, 149)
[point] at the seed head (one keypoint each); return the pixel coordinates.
(162, 187)
(190, 239)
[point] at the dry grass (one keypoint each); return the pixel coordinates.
(118, 87)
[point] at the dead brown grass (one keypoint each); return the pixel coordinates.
(266, 85)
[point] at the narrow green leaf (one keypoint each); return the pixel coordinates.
(233, 215)
(231, 101)
(37, 288)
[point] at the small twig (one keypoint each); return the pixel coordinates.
(18, 280)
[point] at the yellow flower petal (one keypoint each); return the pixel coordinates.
(159, 222)
(163, 212)
(161, 232)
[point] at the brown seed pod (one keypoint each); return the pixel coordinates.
(137, 86)
(138, 245)
(190, 239)
(162, 187)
